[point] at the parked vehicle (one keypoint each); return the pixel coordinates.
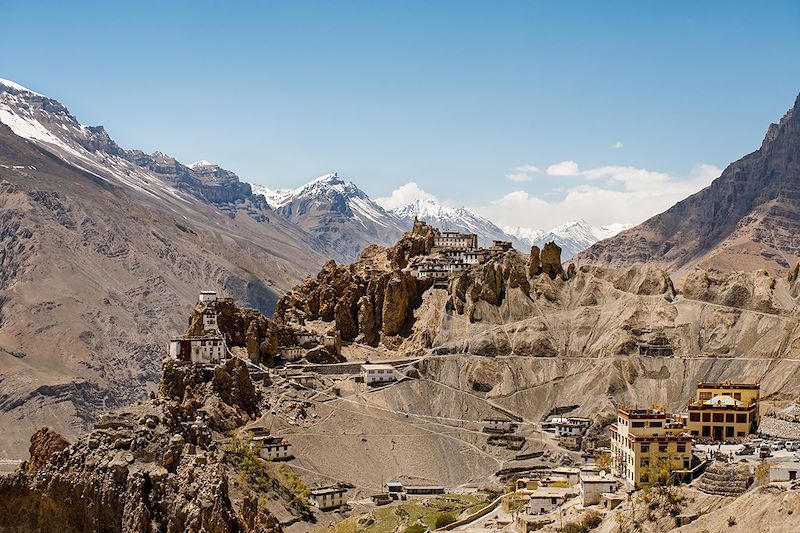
(746, 449)
(765, 451)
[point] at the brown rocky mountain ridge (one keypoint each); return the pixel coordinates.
(102, 252)
(747, 219)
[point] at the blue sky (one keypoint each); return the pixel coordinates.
(452, 96)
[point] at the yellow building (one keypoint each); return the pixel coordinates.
(647, 444)
(724, 411)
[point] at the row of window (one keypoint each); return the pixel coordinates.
(652, 424)
(662, 448)
(738, 418)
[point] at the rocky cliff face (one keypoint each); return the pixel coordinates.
(370, 301)
(747, 219)
(155, 467)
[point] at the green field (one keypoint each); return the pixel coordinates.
(417, 514)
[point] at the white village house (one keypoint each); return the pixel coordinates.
(377, 373)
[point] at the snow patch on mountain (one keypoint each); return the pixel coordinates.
(17, 86)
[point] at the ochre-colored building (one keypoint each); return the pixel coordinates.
(724, 411)
(645, 443)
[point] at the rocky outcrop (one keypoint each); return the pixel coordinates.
(551, 260)
(744, 290)
(226, 396)
(370, 300)
(489, 283)
(154, 467)
(44, 444)
(535, 262)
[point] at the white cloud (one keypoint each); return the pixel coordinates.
(522, 173)
(617, 144)
(564, 168)
(609, 194)
(404, 195)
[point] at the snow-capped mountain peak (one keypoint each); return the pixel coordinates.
(573, 236)
(201, 163)
(17, 87)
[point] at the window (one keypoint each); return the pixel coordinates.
(655, 424)
(706, 417)
(681, 448)
(694, 417)
(638, 424)
(719, 417)
(729, 431)
(741, 418)
(686, 464)
(729, 418)
(645, 462)
(737, 395)
(662, 448)
(740, 433)
(645, 448)
(644, 478)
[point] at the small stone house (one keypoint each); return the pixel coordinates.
(594, 486)
(545, 500)
(326, 498)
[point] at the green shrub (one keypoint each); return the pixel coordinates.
(444, 519)
(731, 521)
(415, 528)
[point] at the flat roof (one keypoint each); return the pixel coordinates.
(327, 490)
(377, 366)
(196, 338)
(549, 492)
(726, 385)
(597, 479)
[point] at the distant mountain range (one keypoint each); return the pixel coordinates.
(346, 219)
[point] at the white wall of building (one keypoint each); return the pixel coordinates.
(377, 373)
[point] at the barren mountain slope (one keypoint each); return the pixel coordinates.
(747, 219)
(96, 276)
